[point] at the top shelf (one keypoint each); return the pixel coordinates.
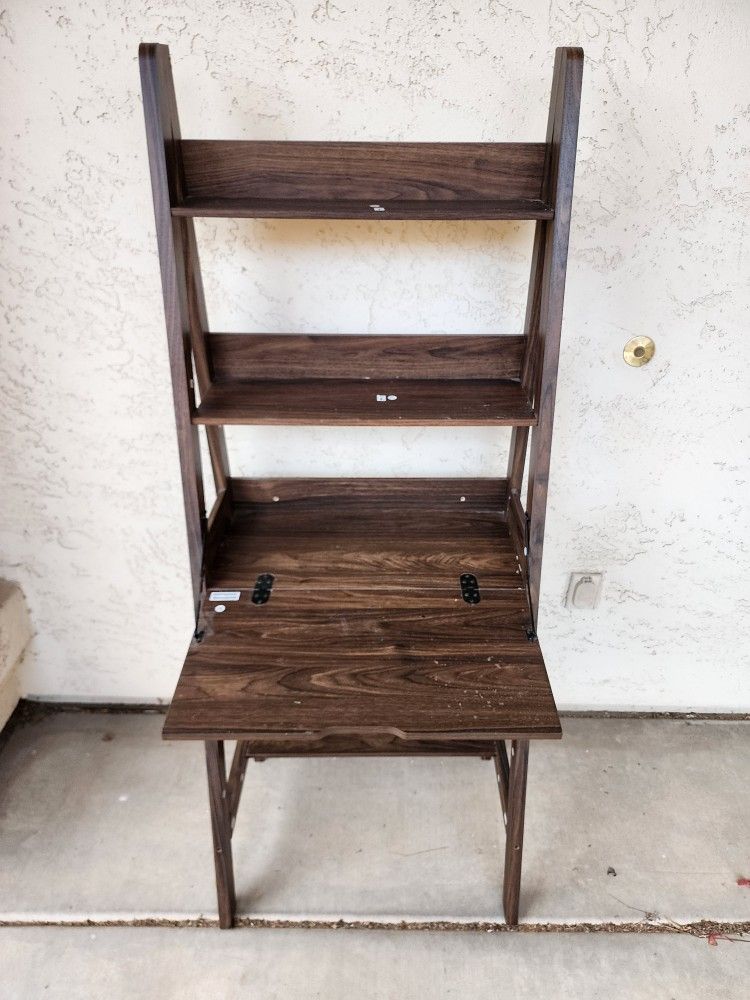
(362, 180)
(258, 208)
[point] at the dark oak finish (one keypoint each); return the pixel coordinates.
(363, 180)
(418, 211)
(162, 135)
(364, 171)
(484, 495)
(516, 809)
(235, 780)
(365, 632)
(218, 522)
(441, 690)
(518, 528)
(502, 772)
(462, 402)
(406, 536)
(372, 745)
(547, 294)
(370, 640)
(221, 830)
(237, 357)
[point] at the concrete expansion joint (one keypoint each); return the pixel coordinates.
(711, 930)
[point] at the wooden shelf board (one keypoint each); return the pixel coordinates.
(363, 180)
(522, 209)
(365, 635)
(467, 402)
(238, 356)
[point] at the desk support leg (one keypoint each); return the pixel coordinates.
(221, 828)
(516, 808)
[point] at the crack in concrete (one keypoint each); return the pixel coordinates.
(729, 930)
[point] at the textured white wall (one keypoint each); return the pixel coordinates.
(650, 466)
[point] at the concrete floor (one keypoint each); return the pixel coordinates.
(205, 964)
(101, 821)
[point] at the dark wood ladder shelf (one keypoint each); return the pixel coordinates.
(363, 616)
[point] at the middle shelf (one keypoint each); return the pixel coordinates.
(407, 402)
(365, 380)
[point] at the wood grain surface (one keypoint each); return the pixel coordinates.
(239, 356)
(462, 402)
(365, 632)
(547, 293)
(363, 171)
(418, 211)
(370, 640)
(172, 238)
(362, 179)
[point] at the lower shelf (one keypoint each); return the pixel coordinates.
(365, 635)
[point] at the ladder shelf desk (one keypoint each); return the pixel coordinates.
(363, 616)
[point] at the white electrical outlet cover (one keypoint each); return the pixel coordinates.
(584, 591)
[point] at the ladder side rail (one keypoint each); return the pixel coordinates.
(563, 127)
(162, 135)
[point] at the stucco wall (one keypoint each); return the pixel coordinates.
(650, 466)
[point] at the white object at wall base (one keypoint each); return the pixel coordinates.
(10, 693)
(15, 633)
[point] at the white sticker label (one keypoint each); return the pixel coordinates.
(224, 595)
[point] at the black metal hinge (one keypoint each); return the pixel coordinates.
(263, 587)
(470, 588)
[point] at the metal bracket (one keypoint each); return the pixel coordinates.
(263, 587)
(470, 588)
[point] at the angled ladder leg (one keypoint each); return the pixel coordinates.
(221, 828)
(511, 779)
(234, 781)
